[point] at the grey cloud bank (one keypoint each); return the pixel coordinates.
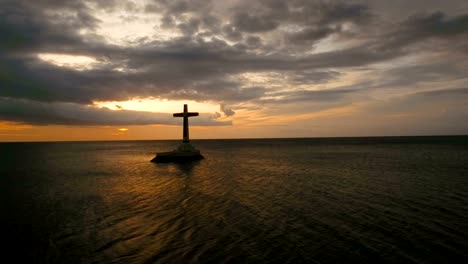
(40, 113)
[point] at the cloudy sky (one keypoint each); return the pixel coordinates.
(118, 69)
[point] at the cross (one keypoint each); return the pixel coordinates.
(185, 115)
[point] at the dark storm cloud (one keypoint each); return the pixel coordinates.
(445, 92)
(39, 113)
(179, 7)
(322, 19)
(438, 24)
(231, 33)
(407, 76)
(33, 79)
(420, 27)
(22, 30)
(316, 19)
(214, 47)
(313, 34)
(226, 110)
(253, 23)
(420, 104)
(305, 77)
(309, 96)
(31, 27)
(268, 15)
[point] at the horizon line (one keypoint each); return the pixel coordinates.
(246, 138)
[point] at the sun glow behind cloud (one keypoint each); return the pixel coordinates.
(160, 106)
(69, 61)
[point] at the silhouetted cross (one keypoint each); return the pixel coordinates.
(186, 115)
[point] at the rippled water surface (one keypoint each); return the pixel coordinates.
(385, 200)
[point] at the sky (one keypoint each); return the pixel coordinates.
(118, 69)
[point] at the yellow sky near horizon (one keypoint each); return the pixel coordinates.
(249, 124)
(336, 122)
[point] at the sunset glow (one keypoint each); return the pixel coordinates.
(69, 61)
(159, 105)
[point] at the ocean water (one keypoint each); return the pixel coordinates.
(348, 200)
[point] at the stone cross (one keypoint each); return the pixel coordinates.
(186, 115)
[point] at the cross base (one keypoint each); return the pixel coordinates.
(185, 152)
(186, 147)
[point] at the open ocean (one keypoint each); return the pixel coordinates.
(324, 200)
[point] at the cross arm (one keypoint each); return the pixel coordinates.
(185, 114)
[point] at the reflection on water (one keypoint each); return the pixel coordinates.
(304, 200)
(186, 168)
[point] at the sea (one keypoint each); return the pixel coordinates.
(304, 200)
